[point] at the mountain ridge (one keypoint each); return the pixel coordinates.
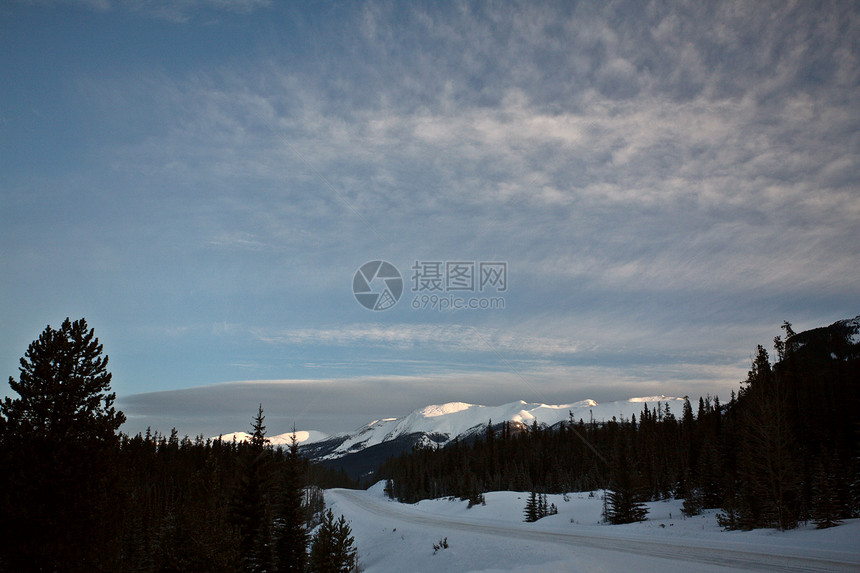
(436, 425)
(439, 424)
(361, 451)
(456, 418)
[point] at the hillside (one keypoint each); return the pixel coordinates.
(361, 451)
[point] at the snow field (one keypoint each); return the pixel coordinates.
(394, 537)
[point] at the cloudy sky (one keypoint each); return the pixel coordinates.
(664, 182)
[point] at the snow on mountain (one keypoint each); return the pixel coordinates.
(361, 451)
(852, 326)
(439, 424)
(442, 423)
(302, 437)
(838, 341)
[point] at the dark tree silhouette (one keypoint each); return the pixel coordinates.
(333, 547)
(64, 388)
(291, 536)
(60, 489)
(252, 508)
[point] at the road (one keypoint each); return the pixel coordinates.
(663, 555)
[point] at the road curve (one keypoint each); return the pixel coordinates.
(730, 558)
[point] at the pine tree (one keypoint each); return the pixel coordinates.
(64, 389)
(825, 506)
(258, 436)
(624, 507)
(333, 547)
(530, 513)
(291, 535)
(60, 488)
(476, 497)
(346, 555)
(708, 470)
(251, 508)
(623, 499)
(693, 503)
(768, 448)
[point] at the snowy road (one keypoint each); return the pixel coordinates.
(493, 545)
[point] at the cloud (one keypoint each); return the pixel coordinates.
(699, 195)
(445, 337)
(95, 5)
(335, 405)
(667, 183)
(178, 11)
(662, 191)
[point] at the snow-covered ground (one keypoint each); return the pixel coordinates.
(399, 538)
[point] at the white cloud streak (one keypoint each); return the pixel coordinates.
(177, 11)
(660, 191)
(664, 179)
(333, 405)
(449, 338)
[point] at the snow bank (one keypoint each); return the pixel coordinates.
(493, 538)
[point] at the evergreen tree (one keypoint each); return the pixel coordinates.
(64, 389)
(768, 448)
(709, 471)
(623, 500)
(754, 457)
(291, 535)
(693, 503)
(59, 485)
(476, 497)
(622, 506)
(530, 513)
(825, 508)
(258, 436)
(252, 513)
(333, 547)
(736, 512)
(687, 414)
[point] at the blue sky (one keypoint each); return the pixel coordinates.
(666, 183)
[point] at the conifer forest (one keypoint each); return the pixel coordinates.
(781, 451)
(79, 495)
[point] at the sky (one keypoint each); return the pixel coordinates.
(632, 195)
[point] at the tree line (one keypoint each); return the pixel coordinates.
(77, 495)
(782, 451)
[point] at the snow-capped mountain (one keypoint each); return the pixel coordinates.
(302, 437)
(364, 449)
(839, 341)
(442, 423)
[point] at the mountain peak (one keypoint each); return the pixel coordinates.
(852, 329)
(302, 437)
(441, 409)
(653, 399)
(840, 340)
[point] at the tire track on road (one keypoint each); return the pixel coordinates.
(730, 558)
